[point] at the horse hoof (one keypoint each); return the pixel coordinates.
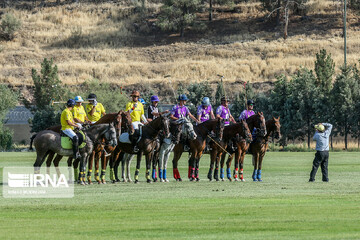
(236, 179)
(104, 182)
(136, 181)
(254, 180)
(124, 180)
(180, 180)
(260, 180)
(243, 180)
(155, 179)
(230, 179)
(82, 183)
(113, 181)
(166, 180)
(162, 180)
(197, 179)
(117, 180)
(148, 181)
(222, 179)
(210, 179)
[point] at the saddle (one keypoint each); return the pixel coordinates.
(66, 142)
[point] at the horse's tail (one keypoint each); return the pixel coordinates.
(31, 141)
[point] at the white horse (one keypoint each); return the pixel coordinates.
(168, 144)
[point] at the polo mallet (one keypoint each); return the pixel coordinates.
(219, 145)
(52, 102)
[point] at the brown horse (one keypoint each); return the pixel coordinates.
(122, 122)
(240, 130)
(146, 145)
(259, 145)
(197, 147)
(256, 121)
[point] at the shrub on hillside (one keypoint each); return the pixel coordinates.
(5, 139)
(9, 26)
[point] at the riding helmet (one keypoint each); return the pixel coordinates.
(70, 103)
(154, 99)
(206, 101)
(183, 97)
(78, 99)
(135, 94)
(250, 102)
(142, 100)
(91, 96)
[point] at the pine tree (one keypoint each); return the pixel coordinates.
(176, 15)
(325, 69)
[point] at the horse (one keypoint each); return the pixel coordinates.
(240, 130)
(49, 141)
(122, 121)
(256, 121)
(166, 145)
(146, 144)
(259, 146)
(197, 147)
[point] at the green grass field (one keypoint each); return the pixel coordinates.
(283, 206)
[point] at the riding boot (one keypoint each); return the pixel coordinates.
(222, 174)
(228, 173)
(134, 139)
(75, 145)
(254, 175)
(259, 175)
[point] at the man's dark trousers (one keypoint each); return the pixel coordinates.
(321, 157)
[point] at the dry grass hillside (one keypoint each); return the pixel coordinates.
(113, 43)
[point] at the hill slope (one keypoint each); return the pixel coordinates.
(112, 43)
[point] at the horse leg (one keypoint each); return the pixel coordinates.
(98, 155)
(178, 150)
(76, 170)
(40, 158)
(162, 153)
(154, 161)
(242, 157)
(116, 165)
(255, 161)
(70, 169)
(49, 161)
(236, 163)
(56, 164)
(261, 157)
(213, 153)
(228, 167)
(192, 165)
(216, 173)
(166, 158)
(148, 158)
(137, 171)
(103, 168)
(90, 165)
(124, 160)
(128, 164)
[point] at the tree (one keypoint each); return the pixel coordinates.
(176, 15)
(325, 69)
(8, 100)
(47, 85)
(305, 97)
(219, 2)
(239, 104)
(197, 91)
(220, 92)
(284, 6)
(343, 102)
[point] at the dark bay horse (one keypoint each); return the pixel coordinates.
(259, 146)
(49, 141)
(197, 147)
(122, 122)
(146, 145)
(240, 130)
(256, 121)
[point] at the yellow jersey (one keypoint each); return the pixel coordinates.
(79, 112)
(99, 108)
(136, 109)
(66, 115)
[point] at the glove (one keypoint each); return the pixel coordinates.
(95, 103)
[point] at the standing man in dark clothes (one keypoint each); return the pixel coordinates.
(321, 137)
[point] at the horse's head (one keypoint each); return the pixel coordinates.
(246, 131)
(188, 129)
(118, 123)
(176, 130)
(126, 122)
(258, 121)
(109, 134)
(220, 125)
(165, 126)
(277, 127)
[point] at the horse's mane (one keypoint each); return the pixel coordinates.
(108, 118)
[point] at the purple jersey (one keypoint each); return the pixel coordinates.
(204, 112)
(246, 114)
(224, 113)
(180, 112)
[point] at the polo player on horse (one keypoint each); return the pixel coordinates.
(94, 109)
